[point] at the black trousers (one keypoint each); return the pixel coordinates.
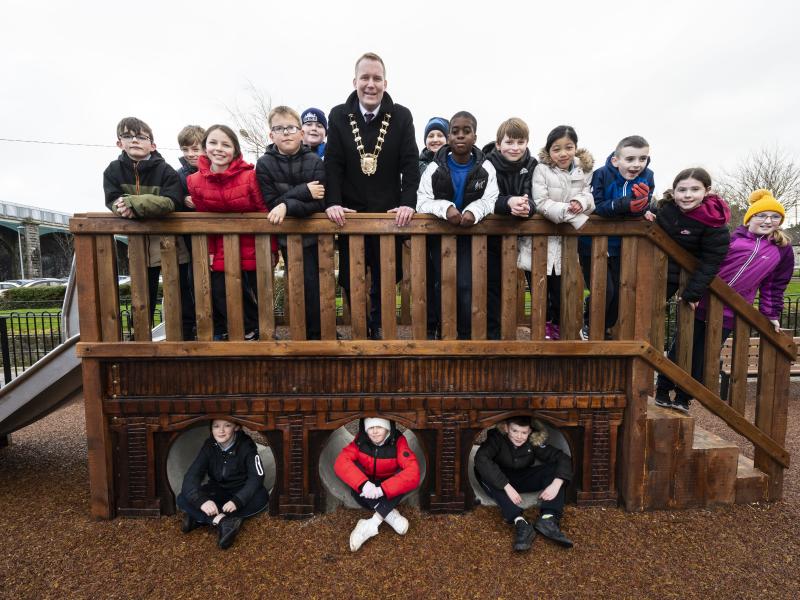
(372, 260)
(187, 296)
(612, 288)
(531, 479)
(310, 288)
(383, 505)
(553, 296)
(464, 286)
(221, 496)
(249, 301)
(664, 384)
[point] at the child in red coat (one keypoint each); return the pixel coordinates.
(224, 182)
(380, 469)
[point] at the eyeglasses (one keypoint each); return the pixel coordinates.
(288, 130)
(139, 138)
(763, 217)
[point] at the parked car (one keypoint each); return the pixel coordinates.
(123, 279)
(43, 282)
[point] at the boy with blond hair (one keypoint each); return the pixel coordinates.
(292, 181)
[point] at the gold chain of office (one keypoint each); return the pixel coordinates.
(369, 160)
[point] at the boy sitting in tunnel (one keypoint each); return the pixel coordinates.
(380, 468)
(235, 488)
(514, 459)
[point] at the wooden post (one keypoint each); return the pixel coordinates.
(508, 283)
(202, 288)
(108, 282)
(140, 294)
(599, 279)
(571, 290)
(685, 330)
(627, 288)
(266, 287)
(233, 287)
(419, 314)
(538, 286)
(479, 314)
(388, 288)
(171, 306)
(737, 387)
(405, 286)
(448, 294)
(327, 288)
(712, 344)
(632, 465)
(771, 411)
(296, 285)
(358, 290)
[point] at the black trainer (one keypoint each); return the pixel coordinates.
(549, 528)
(189, 523)
(663, 400)
(228, 528)
(681, 405)
(524, 534)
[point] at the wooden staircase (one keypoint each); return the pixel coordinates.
(689, 467)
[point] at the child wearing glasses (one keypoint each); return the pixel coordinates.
(698, 221)
(292, 180)
(140, 184)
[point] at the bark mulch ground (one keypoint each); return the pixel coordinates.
(51, 549)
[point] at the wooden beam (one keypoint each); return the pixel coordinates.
(296, 293)
(358, 290)
(171, 305)
(599, 280)
(202, 288)
(538, 286)
(327, 288)
(233, 287)
(479, 290)
(265, 286)
(140, 293)
(388, 288)
(448, 287)
(108, 284)
(419, 314)
(98, 441)
(508, 288)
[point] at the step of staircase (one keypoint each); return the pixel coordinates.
(690, 467)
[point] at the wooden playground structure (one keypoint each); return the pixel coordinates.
(140, 395)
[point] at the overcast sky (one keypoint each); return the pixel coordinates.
(705, 82)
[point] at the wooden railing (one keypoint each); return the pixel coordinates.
(638, 334)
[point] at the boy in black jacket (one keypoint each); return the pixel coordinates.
(141, 185)
(505, 467)
(235, 488)
(461, 186)
(292, 181)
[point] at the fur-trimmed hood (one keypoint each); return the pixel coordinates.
(539, 434)
(583, 159)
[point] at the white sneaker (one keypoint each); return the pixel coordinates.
(397, 522)
(363, 530)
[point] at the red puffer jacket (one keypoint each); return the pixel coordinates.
(391, 464)
(234, 190)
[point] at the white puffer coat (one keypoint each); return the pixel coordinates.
(553, 189)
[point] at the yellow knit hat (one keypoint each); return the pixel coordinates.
(762, 201)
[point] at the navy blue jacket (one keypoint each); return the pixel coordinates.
(612, 199)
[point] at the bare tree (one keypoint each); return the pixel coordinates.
(770, 168)
(250, 121)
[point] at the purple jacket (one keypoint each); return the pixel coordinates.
(755, 264)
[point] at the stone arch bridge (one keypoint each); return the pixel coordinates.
(34, 242)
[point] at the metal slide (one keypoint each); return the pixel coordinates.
(51, 381)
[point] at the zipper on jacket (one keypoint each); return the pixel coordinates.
(750, 258)
(136, 175)
(375, 463)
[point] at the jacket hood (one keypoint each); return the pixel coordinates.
(538, 434)
(272, 150)
(237, 166)
(583, 159)
(713, 211)
(611, 166)
(502, 164)
(425, 155)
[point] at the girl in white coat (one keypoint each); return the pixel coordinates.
(562, 194)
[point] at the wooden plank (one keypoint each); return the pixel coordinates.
(327, 288)
(627, 289)
(108, 282)
(685, 329)
(737, 388)
(358, 290)
(448, 288)
(140, 294)
(771, 412)
(98, 442)
(233, 287)
(479, 290)
(202, 288)
(712, 344)
(508, 288)
(405, 285)
(522, 286)
(392, 348)
(171, 305)
(419, 314)
(599, 279)
(538, 286)
(296, 295)
(735, 421)
(265, 285)
(660, 262)
(388, 288)
(86, 281)
(571, 290)
(632, 470)
(644, 276)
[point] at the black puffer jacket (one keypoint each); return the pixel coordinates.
(284, 179)
(513, 178)
(497, 456)
(425, 158)
(184, 172)
(442, 181)
(707, 240)
(238, 468)
(395, 182)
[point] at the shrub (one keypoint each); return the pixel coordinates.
(33, 297)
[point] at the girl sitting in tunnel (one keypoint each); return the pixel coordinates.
(380, 468)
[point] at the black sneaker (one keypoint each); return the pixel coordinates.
(549, 528)
(523, 535)
(228, 528)
(189, 523)
(681, 405)
(663, 400)
(375, 334)
(251, 336)
(585, 332)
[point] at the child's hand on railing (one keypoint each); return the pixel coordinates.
(650, 216)
(574, 207)
(467, 219)
(276, 215)
(453, 216)
(518, 205)
(317, 190)
(188, 202)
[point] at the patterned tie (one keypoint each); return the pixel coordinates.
(368, 117)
